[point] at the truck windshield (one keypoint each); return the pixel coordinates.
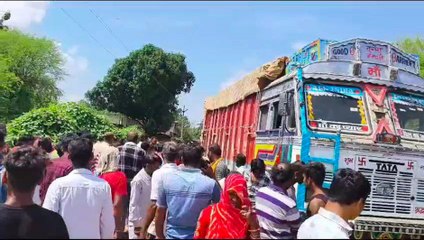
(409, 112)
(332, 107)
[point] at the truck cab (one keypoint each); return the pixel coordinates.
(353, 104)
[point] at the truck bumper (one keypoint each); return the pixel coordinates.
(413, 227)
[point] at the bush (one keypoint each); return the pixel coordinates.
(56, 120)
(123, 132)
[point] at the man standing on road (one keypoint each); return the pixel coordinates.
(171, 154)
(258, 178)
(81, 198)
(277, 213)
(346, 200)
(57, 167)
(218, 165)
(242, 167)
(19, 216)
(141, 187)
(184, 193)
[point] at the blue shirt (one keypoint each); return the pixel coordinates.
(185, 193)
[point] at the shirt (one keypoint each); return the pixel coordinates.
(157, 179)
(221, 171)
(85, 203)
(253, 187)
(277, 213)
(244, 170)
(185, 193)
(324, 225)
(131, 159)
(31, 222)
(117, 182)
(140, 197)
(55, 169)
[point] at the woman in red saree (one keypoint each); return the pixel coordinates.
(232, 217)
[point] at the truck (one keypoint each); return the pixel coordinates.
(354, 104)
(231, 116)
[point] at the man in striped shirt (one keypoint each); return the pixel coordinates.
(277, 213)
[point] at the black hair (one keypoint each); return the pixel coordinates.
(80, 152)
(88, 135)
(25, 167)
(257, 165)
(240, 160)
(171, 152)
(191, 156)
(145, 145)
(64, 142)
(282, 173)
(215, 149)
(46, 144)
(25, 140)
(316, 172)
(349, 186)
(152, 158)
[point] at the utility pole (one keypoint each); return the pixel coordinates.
(182, 121)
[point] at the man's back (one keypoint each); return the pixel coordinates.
(85, 203)
(277, 213)
(185, 193)
(324, 225)
(31, 222)
(55, 169)
(131, 159)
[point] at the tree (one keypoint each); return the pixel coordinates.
(414, 46)
(59, 119)
(191, 132)
(36, 64)
(144, 86)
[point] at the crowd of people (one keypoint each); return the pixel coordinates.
(82, 188)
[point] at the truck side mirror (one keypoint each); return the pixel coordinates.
(283, 106)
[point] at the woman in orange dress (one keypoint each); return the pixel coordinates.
(232, 217)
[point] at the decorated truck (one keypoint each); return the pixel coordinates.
(354, 104)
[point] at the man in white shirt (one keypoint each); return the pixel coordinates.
(346, 200)
(83, 200)
(140, 195)
(170, 155)
(242, 167)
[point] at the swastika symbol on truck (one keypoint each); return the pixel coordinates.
(410, 166)
(362, 161)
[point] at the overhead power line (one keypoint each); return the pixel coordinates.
(89, 34)
(107, 50)
(109, 29)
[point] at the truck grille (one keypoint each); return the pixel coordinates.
(390, 192)
(420, 191)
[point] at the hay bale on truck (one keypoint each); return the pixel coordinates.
(231, 116)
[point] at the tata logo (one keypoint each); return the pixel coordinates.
(387, 167)
(384, 189)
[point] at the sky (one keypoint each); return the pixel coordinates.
(222, 41)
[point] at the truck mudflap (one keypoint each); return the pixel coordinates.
(388, 228)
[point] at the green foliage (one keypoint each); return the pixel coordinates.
(9, 84)
(414, 46)
(57, 120)
(144, 86)
(191, 133)
(123, 132)
(36, 65)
